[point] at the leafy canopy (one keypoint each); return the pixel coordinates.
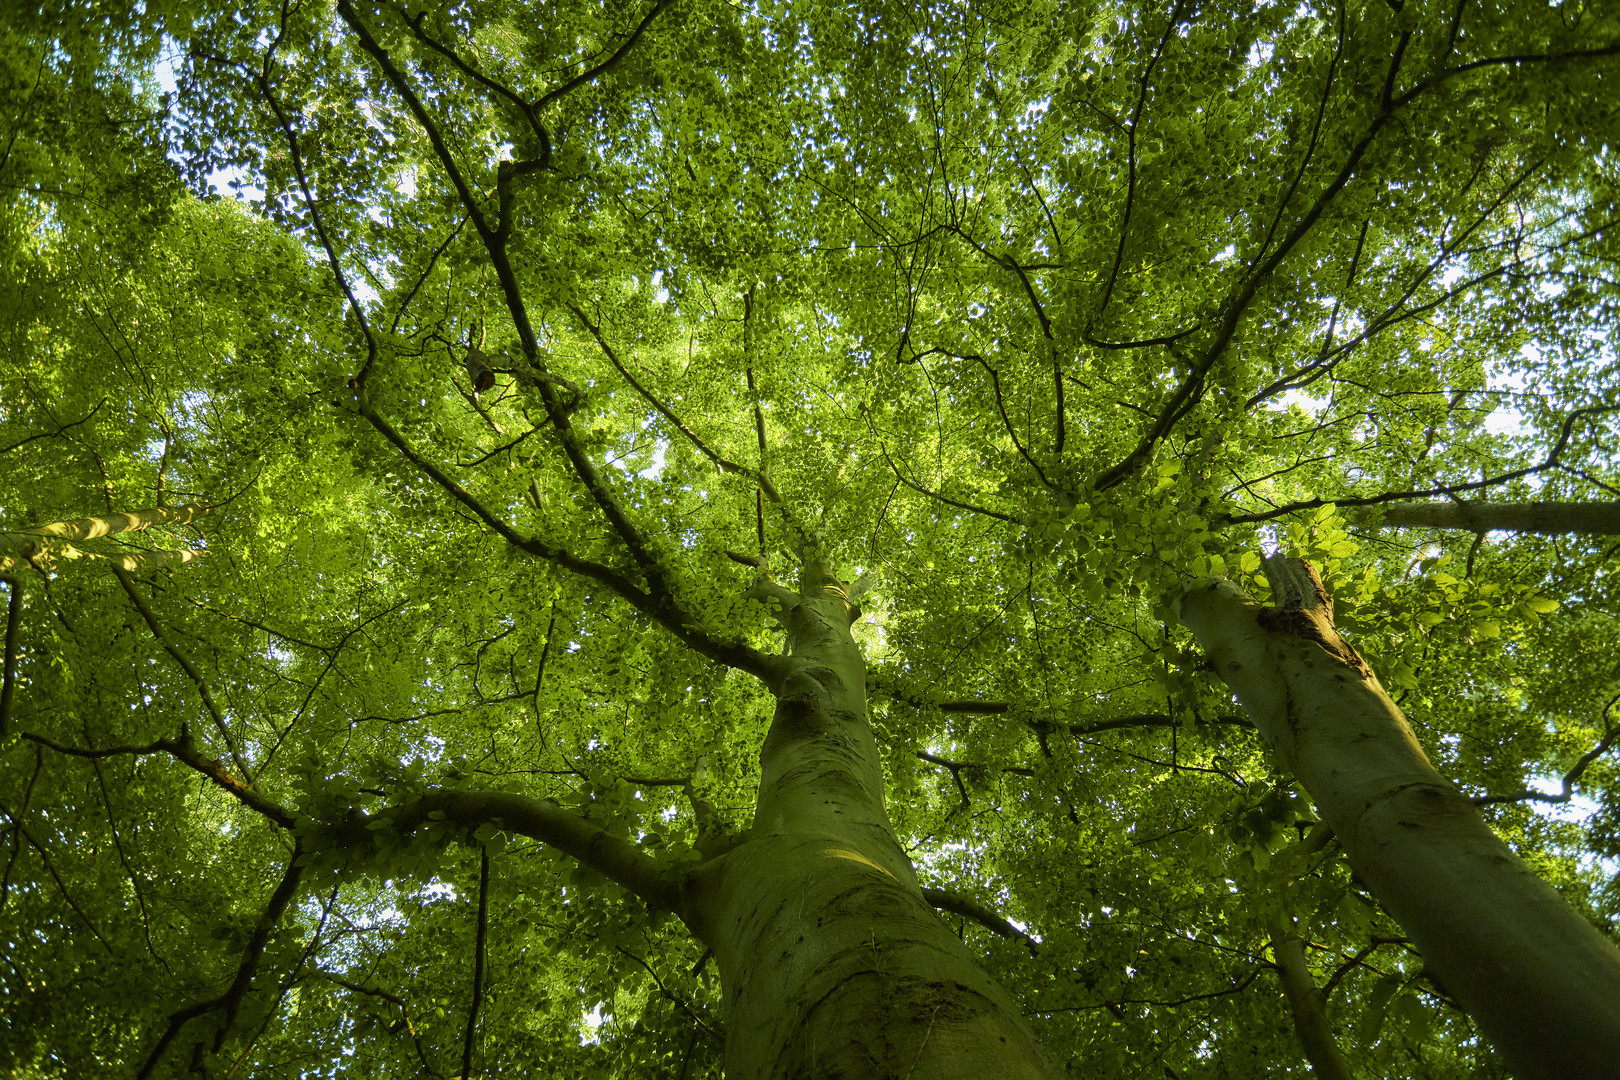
(1029, 309)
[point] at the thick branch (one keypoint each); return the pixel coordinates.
(46, 543)
(1307, 1003)
(956, 904)
(539, 819)
(1601, 518)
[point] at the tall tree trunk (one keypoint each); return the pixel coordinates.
(833, 963)
(1542, 982)
(1540, 517)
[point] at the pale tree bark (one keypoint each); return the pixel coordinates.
(832, 962)
(1602, 518)
(1542, 983)
(1307, 1005)
(45, 545)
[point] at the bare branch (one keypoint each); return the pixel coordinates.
(605, 66)
(185, 665)
(957, 904)
(540, 819)
(184, 750)
(478, 963)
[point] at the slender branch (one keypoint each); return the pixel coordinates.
(1176, 15)
(328, 246)
(185, 665)
(52, 434)
(478, 962)
(50, 868)
(724, 463)
(231, 999)
(184, 750)
(396, 78)
(1316, 132)
(1550, 462)
(605, 66)
(530, 112)
(1508, 61)
(969, 507)
(957, 904)
(14, 588)
(392, 999)
(1006, 422)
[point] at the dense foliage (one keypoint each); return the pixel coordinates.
(1020, 312)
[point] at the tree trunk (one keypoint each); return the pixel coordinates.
(832, 962)
(1542, 983)
(1542, 517)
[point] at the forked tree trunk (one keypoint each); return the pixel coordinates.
(833, 964)
(1542, 517)
(1542, 983)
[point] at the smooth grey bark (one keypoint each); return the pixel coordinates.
(46, 545)
(1542, 983)
(1308, 1006)
(1538, 517)
(832, 962)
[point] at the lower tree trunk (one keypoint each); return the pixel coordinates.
(833, 968)
(832, 962)
(1542, 982)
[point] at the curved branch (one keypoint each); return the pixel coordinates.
(539, 819)
(721, 461)
(185, 751)
(956, 904)
(605, 66)
(1611, 735)
(185, 665)
(919, 489)
(1176, 16)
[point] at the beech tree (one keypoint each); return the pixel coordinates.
(589, 540)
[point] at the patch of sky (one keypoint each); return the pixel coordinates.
(1034, 112)
(590, 1026)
